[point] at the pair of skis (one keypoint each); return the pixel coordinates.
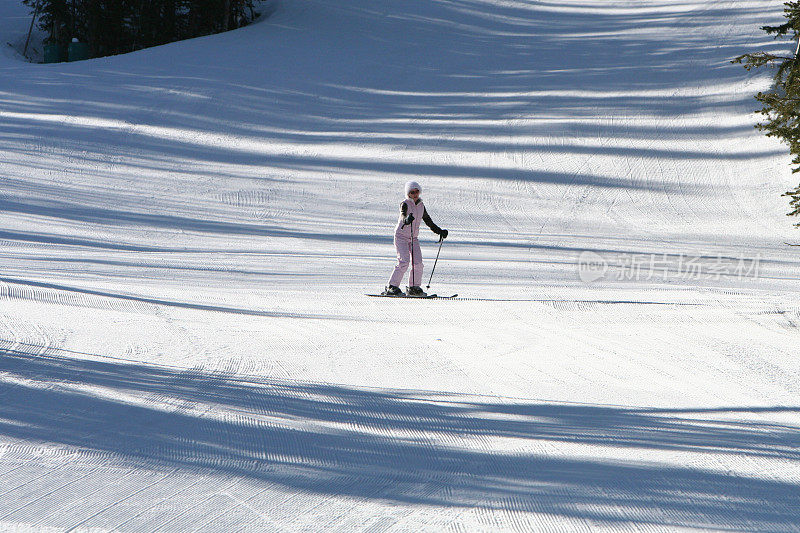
(426, 297)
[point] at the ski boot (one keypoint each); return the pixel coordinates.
(391, 290)
(415, 291)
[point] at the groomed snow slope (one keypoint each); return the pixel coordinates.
(186, 233)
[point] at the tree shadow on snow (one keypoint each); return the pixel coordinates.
(513, 78)
(403, 446)
(510, 80)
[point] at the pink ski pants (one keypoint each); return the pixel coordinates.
(403, 246)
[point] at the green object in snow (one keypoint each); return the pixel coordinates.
(53, 53)
(78, 51)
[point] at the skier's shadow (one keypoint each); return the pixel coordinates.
(565, 301)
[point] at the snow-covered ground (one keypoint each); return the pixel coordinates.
(187, 232)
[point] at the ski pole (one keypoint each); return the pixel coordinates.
(411, 251)
(441, 241)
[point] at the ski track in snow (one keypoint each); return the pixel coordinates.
(187, 233)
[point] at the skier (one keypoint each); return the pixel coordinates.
(412, 211)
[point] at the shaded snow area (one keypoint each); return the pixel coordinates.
(187, 234)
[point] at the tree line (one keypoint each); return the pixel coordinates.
(118, 26)
(781, 104)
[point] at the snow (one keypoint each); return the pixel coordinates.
(186, 233)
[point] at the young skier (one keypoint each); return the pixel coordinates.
(412, 211)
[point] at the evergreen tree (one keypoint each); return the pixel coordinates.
(781, 104)
(118, 26)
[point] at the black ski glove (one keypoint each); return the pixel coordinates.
(443, 234)
(409, 219)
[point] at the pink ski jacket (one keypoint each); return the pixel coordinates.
(417, 209)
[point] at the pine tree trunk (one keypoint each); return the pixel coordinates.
(226, 15)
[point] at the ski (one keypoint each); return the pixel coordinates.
(428, 297)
